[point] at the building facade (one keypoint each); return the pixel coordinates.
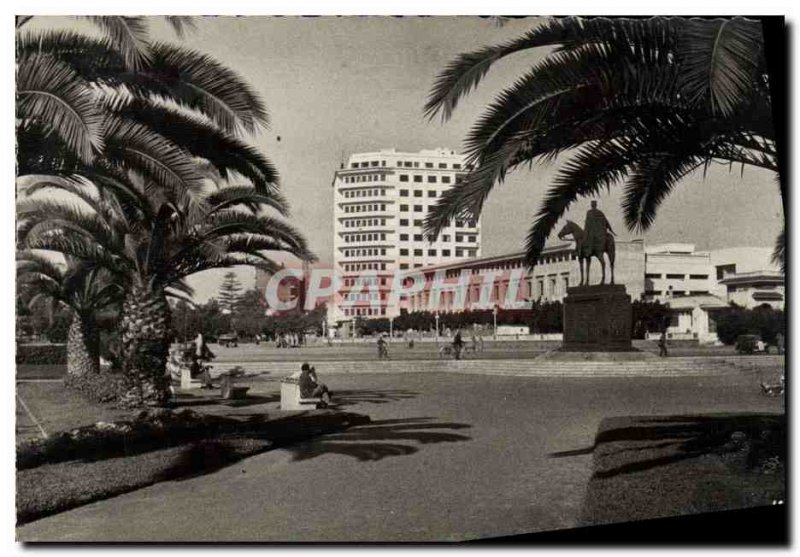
(694, 285)
(505, 280)
(381, 200)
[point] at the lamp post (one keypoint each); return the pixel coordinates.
(391, 328)
(494, 315)
(436, 316)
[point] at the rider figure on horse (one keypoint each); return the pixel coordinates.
(595, 228)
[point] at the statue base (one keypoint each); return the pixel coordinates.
(597, 318)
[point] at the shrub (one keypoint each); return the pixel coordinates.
(42, 354)
(99, 387)
(765, 322)
(151, 428)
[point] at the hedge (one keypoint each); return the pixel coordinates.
(42, 354)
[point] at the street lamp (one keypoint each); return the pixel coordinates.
(494, 314)
(436, 316)
(391, 322)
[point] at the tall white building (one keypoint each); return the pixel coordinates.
(381, 200)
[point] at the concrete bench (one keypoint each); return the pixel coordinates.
(229, 390)
(290, 395)
(187, 381)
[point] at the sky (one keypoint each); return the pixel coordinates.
(336, 86)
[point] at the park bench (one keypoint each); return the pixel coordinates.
(228, 388)
(290, 395)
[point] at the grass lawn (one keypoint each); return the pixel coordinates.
(32, 371)
(54, 488)
(234, 432)
(674, 465)
(59, 409)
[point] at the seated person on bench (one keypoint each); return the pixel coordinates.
(310, 387)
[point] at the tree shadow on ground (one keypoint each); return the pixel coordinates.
(649, 442)
(353, 397)
(381, 439)
(189, 401)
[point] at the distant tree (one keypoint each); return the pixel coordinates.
(229, 292)
(250, 313)
(547, 317)
(763, 321)
(648, 317)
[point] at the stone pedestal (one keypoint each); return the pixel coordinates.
(597, 318)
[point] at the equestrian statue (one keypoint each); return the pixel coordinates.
(595, 239)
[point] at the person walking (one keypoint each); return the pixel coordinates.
(200, 355)
(662, 344)
(383, 350)
(458, 345)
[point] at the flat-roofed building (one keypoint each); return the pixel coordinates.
(381, 200)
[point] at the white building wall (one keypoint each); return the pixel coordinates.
(381, 200)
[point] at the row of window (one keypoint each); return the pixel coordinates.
(364, 311)
(417, 193)
(365, 178)
(349, 267)
(370, 208)
(432, 179)
(528, 289)
(358, 223)
(677, 276)
(404, 164)
(549, 259)
(364, 252)
(445, 252)
(367, 237)
(366, 164)
(365, 193)
(366, 281)
(676, 293)
(459, 224)
(364, 297)
(445, 237)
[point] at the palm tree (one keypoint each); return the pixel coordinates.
(643, 101)
(133, 138)
(155, 237)
(80, 286)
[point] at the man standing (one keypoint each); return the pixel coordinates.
(595, 228)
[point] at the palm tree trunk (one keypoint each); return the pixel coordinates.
(83, 347)
(144, 328)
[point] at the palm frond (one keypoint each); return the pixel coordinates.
(199, 82)
(55, 97)
(181, 24)
(719, 61)
(226, 153)
(779, 254)
(243, 196)
(129, 34)
(138, 148)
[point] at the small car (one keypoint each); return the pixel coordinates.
(228, 340)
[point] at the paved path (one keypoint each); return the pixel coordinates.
(447, 457)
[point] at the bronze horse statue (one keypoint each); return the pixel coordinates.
(584, 250)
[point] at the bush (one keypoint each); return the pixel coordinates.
(42, 354)
(764, 322)
(99, 387)
(150, 429)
